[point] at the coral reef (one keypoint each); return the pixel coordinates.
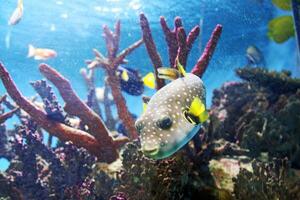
(273, 180)
(227, 160)
(248, 149)
(110, 65)
(260, 114)
(175, 178)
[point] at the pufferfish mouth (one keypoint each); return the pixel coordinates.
(151, 151)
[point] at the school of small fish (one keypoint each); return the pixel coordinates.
(36, 53)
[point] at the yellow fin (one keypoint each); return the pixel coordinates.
(167, 73)
(203, 116)
(181, 68)
(125, 76)
(149, 80)
(197, 107)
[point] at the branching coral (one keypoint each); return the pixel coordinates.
(38, 172)
(110, 64)
(179, 46)
(97, 141)
(7, 115)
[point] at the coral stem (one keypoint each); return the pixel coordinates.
(7, 115)
(105, 149)
(203, 61)
(74, 105)
(120, 102)
(151, 48)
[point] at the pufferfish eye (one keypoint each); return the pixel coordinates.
(139, 126)
(164, 123)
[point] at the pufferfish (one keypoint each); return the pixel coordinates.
(173, 115)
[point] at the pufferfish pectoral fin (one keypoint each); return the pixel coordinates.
(168, 73)
(196, 113)
(197, 107)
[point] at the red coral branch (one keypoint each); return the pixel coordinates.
(170, 37)
(182, 47)
(74, 106)
(7, 115)
(203, 61)
(110, 64)
(179, 45)
(151, 49)
(102, 147)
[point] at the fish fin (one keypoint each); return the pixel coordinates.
(149, 80)
(168, 73)
(181, 68)
(20, 4)
(203, 116)
(197, 107)
(31, 51)
(125, 76)
(39, 58)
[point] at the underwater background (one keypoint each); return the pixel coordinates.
(74, 28)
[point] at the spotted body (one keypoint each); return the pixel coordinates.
(164, 127)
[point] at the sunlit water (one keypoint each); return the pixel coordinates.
(74, 28)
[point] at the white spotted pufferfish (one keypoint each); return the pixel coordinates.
(173, 115)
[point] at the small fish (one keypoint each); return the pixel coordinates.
(40, 54)
(7, 39)
(131, 81)
(173, 116)
(17, 14)
(255, 57)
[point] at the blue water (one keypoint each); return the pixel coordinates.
(74, 28)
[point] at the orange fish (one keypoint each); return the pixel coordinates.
(40, 54)
(17, 14)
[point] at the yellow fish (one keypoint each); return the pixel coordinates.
(17, 14)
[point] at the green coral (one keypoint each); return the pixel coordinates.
(278, 82)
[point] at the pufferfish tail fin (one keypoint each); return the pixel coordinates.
(197, 113)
